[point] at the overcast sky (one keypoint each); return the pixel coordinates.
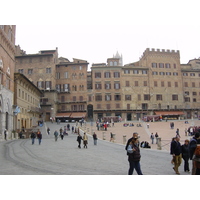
(95, 30)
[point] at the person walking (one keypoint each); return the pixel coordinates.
(39, 136)
(95, 138)
(111, 137)
(156, 136)
(48, 131)
(33, 136)
(5, 134)
(152, 138)
(177, 133)
(85, 140)
(61, 133)
(134, 156)
(79, 138)
(56, 135)
(176, 153)
(185, 155)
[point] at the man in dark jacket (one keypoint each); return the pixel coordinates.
(176, 153)
(192, 147)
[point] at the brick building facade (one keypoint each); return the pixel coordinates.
(7, 66)
(157, 84)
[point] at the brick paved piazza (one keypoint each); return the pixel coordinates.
(107, 158)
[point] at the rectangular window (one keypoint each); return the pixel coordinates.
(48, 70)
(62, 99)
(48, 85)
(135, 71)
(116, 75)
(117, 97)
(144, 71)
(185, 84)
(155, 84)
(154, 65)
(66, 87)
(97, 74)
(161, 65)
(107, 86)
(136, 83)
(98, 97)
(108, 106)
(174, 97)
(30, 71)
(159, 97)
(154, 73)
(117, 86)
(107, 75)
(145, 83)
(126, 71)
(193, 84)
(57, 75)
(168, 73)
(127, 84)
(162, 84)
(139, 97)
(127, 97)
(176, 84)
(169, 84)
(167, 65)
(146, 97)
(98, 86)
(58, 87)
(65, 74)
(107, 97)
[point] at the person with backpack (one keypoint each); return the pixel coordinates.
(33, 136)
(56, 135)
(192, 147)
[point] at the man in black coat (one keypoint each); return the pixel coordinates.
(192, 147)
(176, 152)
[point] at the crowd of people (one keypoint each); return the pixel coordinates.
(190, 150)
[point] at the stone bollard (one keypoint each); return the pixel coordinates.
(159, 143)
(124, 139)
(104, 135)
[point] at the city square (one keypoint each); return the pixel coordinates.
(20, 157)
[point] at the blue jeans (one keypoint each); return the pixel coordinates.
(33, 140)
(39, 140)
(134, 165)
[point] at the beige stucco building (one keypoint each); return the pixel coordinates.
(27, 103)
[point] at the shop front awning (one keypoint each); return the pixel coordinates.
(64, 115)
(78, 115)
(169, 113)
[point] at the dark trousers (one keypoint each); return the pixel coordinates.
(186, 164)
(134, 165)
(79, 144)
